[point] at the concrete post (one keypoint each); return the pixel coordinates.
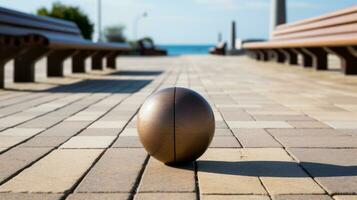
(278, 14)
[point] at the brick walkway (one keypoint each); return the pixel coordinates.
(282, 133)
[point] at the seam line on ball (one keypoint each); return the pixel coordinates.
(174, 111)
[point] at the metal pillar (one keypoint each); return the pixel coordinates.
(233, 42)
(278, 14)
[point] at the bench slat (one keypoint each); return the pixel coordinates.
(328, 16)
(340, 20)
(339, 40)
(335, 30)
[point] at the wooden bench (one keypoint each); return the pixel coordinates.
(313, 39)
(148, 48)
(27, 38)
(219, 49)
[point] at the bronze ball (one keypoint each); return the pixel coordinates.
(176, 125)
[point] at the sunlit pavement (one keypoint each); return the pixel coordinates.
(282, 132)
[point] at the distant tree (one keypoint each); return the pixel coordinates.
(115, 33)
(70, 13)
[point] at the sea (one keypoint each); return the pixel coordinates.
(178, 50)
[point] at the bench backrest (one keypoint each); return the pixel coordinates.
(14, 23)
(338, 23)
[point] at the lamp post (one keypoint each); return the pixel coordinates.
(99, 20)
(136, 23)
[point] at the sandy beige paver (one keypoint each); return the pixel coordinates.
(302, 197)
(274, 168)
(234, 197)
(285, 118)
(98, 196)
(334, 169)
(88, 142)
(55, 173)
(9, 141)
(161, 178)
(258, 124)
(118, 170)
(26, 196)
(171, 196)
(345, 197)
(255, 138)
(108, 124)
(21, 132)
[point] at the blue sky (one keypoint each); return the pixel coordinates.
(190, 21)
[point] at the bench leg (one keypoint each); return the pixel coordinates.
(6, 54)
(348, 56)
(97, 60)
(79, 61)
(24, 67)
(279, 57)
(306, 58)
(263, 55)
(55, 62)
(111, 60)
(271, 55)
(290, 55)
(319, 57)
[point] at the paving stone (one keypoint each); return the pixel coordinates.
(308, 124)
(168, 196)
(88, 142)
(108, 124)
(236, 116)
(98, 196)
(222, 132)
(13, 120)
(130, 132)
(29, 196)
(342, 124)
(302, 197)
(307, 132)
(65, 129)
(21, 132)
(127, 142)
(315, 141)
(100, 132)
(42, 122)
(17, 158)
(258, 124)
(234, 197)
(345, 197)
(56, 173)
(221, 124)
(224, 142)
(159, 177)
(282, 117)
(118, 170)
(85, 116)
(43, 141)
(216, 174)
(255, 138)
(242, 167)
(9, 141)
(334, 169)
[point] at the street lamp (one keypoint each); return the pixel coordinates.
(136, 22)
(99, 20)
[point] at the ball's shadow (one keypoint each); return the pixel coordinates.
(273, 168)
